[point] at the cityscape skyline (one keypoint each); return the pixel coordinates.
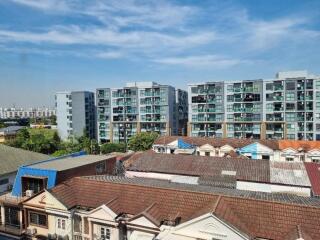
(50, 46)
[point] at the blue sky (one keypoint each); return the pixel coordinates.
(54, 45)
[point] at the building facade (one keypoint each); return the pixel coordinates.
(140, 107)
(75, 114)
(14, 113)
(287, 107)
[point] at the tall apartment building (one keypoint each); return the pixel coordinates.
(14, 113)
(287, 107)
(139, 107)
(75, 114)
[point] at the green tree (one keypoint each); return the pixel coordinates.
(142, 141)
(112, 147)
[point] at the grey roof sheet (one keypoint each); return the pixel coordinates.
(247, 170)
(12, 158)
(10, 129)
(61, 164)
(273, 197)
(290, 173)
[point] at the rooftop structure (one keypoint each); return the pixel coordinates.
(245, 174)
(11, 159)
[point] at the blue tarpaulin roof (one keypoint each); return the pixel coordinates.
(184, 145)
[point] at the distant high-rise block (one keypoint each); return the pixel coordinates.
(75, 114)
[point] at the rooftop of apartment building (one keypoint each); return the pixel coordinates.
(12, 158)
(162, 204)
(279, 76)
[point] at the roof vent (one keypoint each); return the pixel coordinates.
(229, 173)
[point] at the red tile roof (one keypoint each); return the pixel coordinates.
(313, 170)
(256, 218)
(239, 143)
(217, 142)
(299, 145)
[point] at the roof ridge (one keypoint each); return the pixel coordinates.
(208, 193)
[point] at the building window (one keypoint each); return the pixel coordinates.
(290, 96)
(105, 233)
(38, 219)
(61, 223)
(265, 157)
(290, 85)
(101, 167)
(4, 181)
(207, 154)
(289, 159)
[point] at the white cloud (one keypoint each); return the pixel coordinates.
(52, 5)
(212, 61)
(136, 40)
(110, 55)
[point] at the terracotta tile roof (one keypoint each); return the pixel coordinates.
(268, 219)
(298, 233)
(276, 197)
(299, 145)
(131, 199)
(245, 169)
(217, 142)
(313, 170)
(256, 218)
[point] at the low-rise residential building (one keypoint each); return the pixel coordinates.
(165, 211)
(10, 160)
(273, 150)
(34, 178)
(236, 173)
(75, 114)
(9, 133)
(140, 107)
(14, 113)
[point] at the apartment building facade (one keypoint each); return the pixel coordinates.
(140, 107)
(14, 113)
(75, 114)
(287, 107)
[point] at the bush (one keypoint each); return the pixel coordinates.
(112, 147)
(142, 141)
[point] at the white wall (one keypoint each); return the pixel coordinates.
(273, 188)
(163, 176)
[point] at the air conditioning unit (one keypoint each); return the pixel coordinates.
(31, 231)
(29, 193)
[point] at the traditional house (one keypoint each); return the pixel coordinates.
(103, 207)
(34, 178)
(273, 150)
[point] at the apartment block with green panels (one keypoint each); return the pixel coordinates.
(206, 109)
(103, 106)
(292, 106)
(157, 108)
(244, 103)
(286, 107)
(124, 113)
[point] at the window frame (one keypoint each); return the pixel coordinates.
(37, 224)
